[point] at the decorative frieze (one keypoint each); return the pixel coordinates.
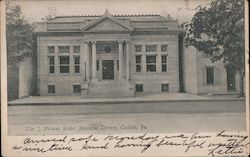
(148, 24)
(63, 26)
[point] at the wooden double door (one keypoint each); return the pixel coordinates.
(108, 69)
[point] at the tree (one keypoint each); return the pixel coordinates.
(19, 34)
(20, 44)
(219, 29)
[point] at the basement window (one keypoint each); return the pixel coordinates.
(165, 87)
(76, 88)
(51, 89)
(139, 87)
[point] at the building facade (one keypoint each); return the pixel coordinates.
(107, 55)
(119, 55)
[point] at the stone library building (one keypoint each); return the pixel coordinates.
(121, 56)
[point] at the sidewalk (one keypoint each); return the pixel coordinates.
(160, 97)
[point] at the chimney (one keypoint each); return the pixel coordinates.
(52, 13)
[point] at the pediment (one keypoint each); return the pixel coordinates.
(106, 24)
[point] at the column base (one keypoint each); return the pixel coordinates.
(94, 80)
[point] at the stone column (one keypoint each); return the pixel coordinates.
(86, 60)
(127, 60)
(143, 59)
(57, 64)
(71, 61)
(82, 60)
(94, 60)
(120, 60)
(158, 59)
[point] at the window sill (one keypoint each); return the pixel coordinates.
(63, 54)
(63, 74)
(210, 85)
(77, 93)
(149, 73)
(51, 94)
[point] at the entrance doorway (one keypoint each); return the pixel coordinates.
(230, 79)
(107, 69)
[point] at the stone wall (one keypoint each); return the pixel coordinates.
(25, 78)
(152, 80)
(190, 70)
(63, 82)
(195, 74)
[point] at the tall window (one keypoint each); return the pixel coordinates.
(138, 48)
(76, 49)
(138, 63)
(51, 49)
(117, 65)
(164, 63)
(164, 48)
(63, 49)
(151, 63)
(51, 64)
(51, 89)
(210, 75)
(77, 64)
(97, 65)
(151, 48)
(64, 64)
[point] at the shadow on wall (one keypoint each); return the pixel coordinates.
(22, 79)
(13, 77)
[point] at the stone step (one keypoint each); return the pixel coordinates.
(96, 90)
(102, 89)
(109, 83)
(108, 95)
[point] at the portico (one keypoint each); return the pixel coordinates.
(97, 55)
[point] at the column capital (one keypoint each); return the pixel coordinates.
(120, 41)
(86, 41)
(127, 41)
(93, 42)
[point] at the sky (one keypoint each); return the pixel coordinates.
(36, 10)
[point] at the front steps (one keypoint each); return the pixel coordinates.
(110, 89)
